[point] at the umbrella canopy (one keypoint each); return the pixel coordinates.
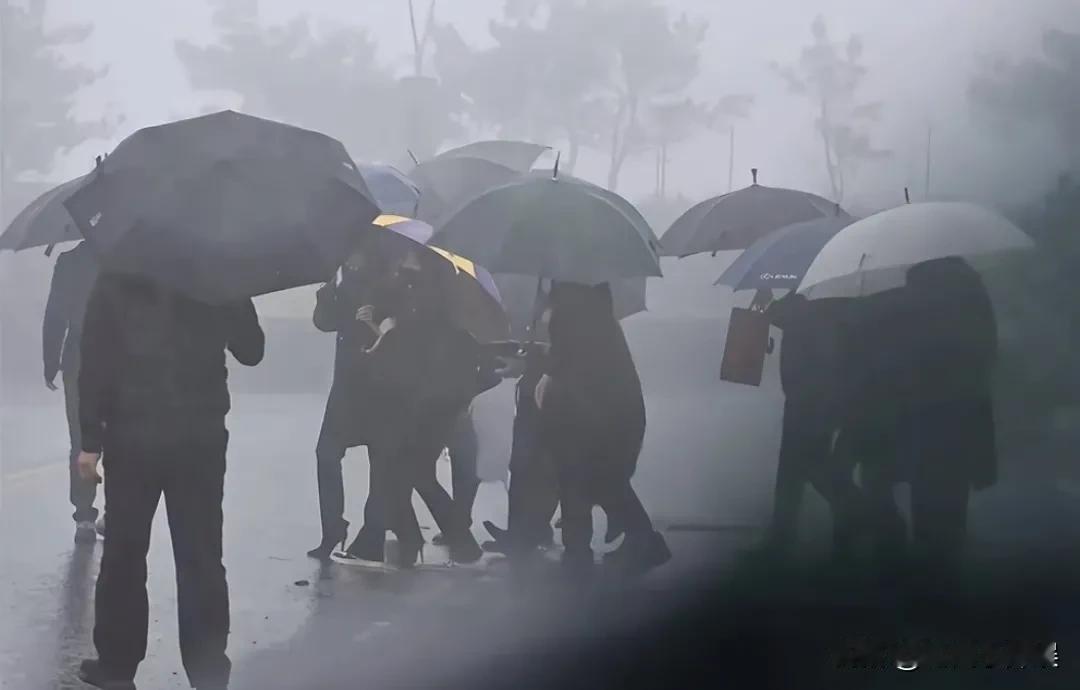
(737, 220)
(472, 296)
(623, 205)
(874, 253)
(448, 183)
(394, 192)
(548, 228)
(780, 259)
(45, 221)
(417, 231)
(224, 206)
(475, 303)
(516, 155)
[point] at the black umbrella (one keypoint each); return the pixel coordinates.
(394, 192)
(548, 228)
(45, 221)
(225, 206)
(738, 219)
(516, 155)
(448, 183)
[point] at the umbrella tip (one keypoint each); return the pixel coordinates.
(49, 250)
(907, 196)
(555, 170)
(753, 173)
(412, 155)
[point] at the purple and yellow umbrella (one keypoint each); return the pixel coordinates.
(471, 294)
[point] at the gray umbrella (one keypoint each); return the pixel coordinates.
(548, 228)
(738, 219)
(625, 206)
(225, 206)
(516, 155)
(45, 221)
(446, 184)
(393, 190)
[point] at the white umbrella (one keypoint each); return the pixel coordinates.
(874, 254)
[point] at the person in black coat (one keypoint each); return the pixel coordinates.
(592, 420)
(153, 401)
(812, 360)
(949, 418)
(343, 306)
(424, 371)
(61, 335)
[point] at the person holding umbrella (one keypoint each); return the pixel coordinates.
(343, 306)
(592, 422)
(190, 219)
(61, 336)
(569, 232)
(154, 399)
(425, 371)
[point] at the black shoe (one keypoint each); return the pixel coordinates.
(329, 542)
(91, 672)
(639, 556)
(466, 550)
(614, 531)
(367, 548)
(408, 554)
(85, 533)
(497, 533)
(439, 540)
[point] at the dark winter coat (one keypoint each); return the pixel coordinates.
(61, 331)
(150, 355)
(593, 410)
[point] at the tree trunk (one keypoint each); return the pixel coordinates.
(575, 150)
(620, 140)
(836, 183)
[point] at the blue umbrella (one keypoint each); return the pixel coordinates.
(779, 260)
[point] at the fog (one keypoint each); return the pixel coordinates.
(920, 57)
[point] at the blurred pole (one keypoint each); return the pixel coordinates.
(731, 161)
(929, 134)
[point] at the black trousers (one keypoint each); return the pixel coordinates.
(617, 497)
(184, 460)
(464, 447)
(804, 458)
(534, 483)
(80, 491)
(398, 468)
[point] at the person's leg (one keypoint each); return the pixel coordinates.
(329, 452)
(398, 514)
(370, 541)
(132, 491)
(449, 515)
(80, 491)
(193, 500)
(464, 449)
(577, 502)
(940, 490)
(791, 476)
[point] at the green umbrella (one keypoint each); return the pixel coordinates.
(550, 228)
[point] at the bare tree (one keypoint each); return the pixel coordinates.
(830, 74)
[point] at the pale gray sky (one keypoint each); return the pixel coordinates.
(920, 53)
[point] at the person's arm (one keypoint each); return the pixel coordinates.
(327, 316)
(97, 369)
(247, 342)
(55, 323)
